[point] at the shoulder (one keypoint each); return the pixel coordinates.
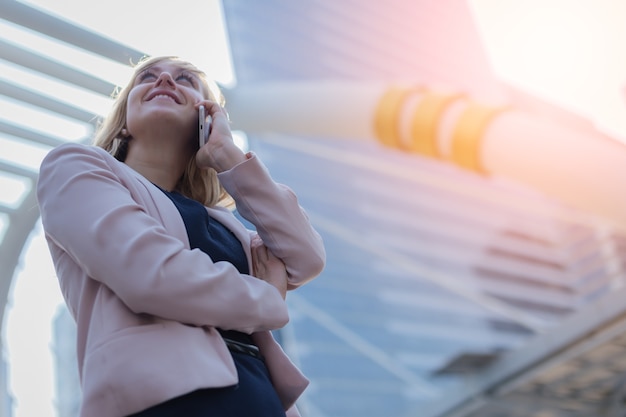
(67, 163)
(72, 158)
(76, 151)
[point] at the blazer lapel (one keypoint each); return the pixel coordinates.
(160, 206)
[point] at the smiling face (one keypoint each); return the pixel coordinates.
(200, 185)
(162, 100)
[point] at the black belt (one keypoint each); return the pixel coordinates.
(239, 347)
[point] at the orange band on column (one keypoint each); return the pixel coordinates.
(387, 116)
(468, 134)
(426, 121)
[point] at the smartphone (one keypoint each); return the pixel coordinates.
(204, 126)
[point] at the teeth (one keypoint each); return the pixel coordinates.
(163, 95)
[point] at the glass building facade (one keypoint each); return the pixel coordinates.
(447, 292)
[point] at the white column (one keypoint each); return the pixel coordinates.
(584, 169)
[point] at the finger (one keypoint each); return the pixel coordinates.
(257, 252)
(270, 256)
(206, 103)
(255, 241)
(212, 107)
(263, 253)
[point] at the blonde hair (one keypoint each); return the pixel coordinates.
(199, 185)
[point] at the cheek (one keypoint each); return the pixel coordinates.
(195, 97)
(132, 109)
(130, 119)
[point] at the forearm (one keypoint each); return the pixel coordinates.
(281, 223)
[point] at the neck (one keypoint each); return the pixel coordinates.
(161, 165)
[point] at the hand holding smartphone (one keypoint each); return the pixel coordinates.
(204, 126)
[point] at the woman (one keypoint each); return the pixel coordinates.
(173, 298)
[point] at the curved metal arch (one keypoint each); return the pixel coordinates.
(23, 217)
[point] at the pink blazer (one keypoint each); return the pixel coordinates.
(146, 305)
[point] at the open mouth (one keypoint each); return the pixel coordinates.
(163, 96)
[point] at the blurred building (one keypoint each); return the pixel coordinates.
(474, 233)
(433, 275)
(7, 397)
(67, 382)
(445, 258)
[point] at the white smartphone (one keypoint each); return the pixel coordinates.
(204, 126)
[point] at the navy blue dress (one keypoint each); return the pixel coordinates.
(254, 395)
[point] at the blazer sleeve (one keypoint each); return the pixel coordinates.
(90, 214)
(282, 224)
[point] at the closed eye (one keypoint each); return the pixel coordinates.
(187, 78)
(184, 78)
(147, 75)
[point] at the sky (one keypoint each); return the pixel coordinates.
(572, 52)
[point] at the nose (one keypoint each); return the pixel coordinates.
(165, 78)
